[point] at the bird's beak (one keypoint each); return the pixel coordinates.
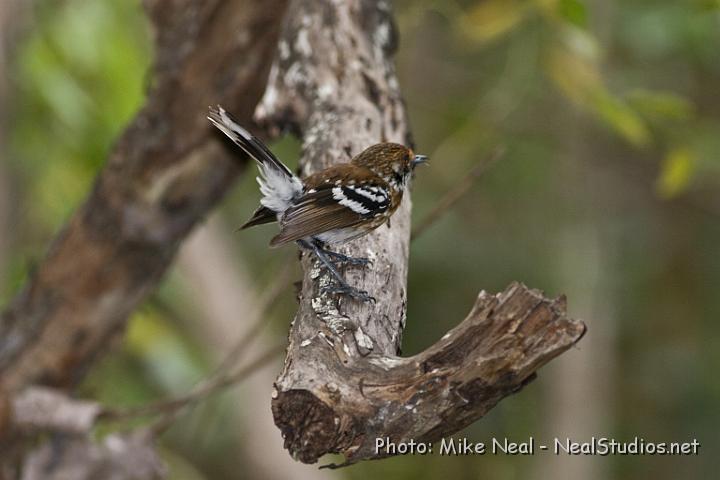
(419, 159)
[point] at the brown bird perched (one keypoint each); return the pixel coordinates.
(340, 203)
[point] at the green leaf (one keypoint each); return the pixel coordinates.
(573, 11)
(621, 117)
(491, 19)
(579, 78)
(662, 105)
(572, 74)
(676, 173)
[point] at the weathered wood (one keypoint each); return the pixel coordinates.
(342, 386)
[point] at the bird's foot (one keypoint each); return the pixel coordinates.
(339, 286)
(342, 258)
(345, 289)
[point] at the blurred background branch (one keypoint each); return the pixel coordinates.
(146, 199)
(162, 177)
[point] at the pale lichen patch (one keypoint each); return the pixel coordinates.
(284, 50)
(302, 43)
(362, 339)
(324, 337)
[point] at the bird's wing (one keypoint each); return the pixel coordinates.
(329, 207)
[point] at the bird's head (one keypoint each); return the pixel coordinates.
(392, 162)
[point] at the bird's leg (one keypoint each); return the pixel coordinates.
(340, 257)
(341, 286)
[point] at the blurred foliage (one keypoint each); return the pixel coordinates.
(676, 172)
(78, 78)
(610, 114)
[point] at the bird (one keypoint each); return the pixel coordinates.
(338, 204)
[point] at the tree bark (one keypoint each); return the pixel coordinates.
(165, 173)
(222, 289)
(343, 385)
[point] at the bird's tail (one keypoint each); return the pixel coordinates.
(278, 185)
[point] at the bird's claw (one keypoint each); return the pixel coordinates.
(355, 261)
(352, 292)
(358, 261)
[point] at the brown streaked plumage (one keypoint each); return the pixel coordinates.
(318, 211)
(335, 205)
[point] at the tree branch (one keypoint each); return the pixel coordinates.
(343, 385)
(164, 174)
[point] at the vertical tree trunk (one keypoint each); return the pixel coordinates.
(343, 385)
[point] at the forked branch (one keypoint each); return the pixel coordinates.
(343, 386)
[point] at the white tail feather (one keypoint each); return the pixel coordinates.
(278, 185)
